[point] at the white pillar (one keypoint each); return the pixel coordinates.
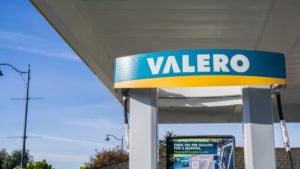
(259, 143)
(143, 129)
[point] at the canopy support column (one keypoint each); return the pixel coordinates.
(259, 147)
(143, 129)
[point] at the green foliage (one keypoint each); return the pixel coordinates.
(4, 159)
(106, 157)
(163, 144)
(8, 161)
(39, 165)
(84, 166)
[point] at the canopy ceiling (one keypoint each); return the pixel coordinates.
(100, 30)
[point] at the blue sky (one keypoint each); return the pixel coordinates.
(76, 111)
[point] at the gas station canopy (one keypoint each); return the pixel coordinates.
(101, 30)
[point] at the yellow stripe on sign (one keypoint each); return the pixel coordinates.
(195, 81)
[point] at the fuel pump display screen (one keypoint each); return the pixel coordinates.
(200, 152)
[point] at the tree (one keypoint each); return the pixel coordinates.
(8, 161)
(39, 165)
(16, 157)
(4, 157)
(163, 143)
(106, 157)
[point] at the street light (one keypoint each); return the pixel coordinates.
(26, 107)
(120, 139)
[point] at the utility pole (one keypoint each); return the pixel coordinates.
(26, 108)
(25, 119)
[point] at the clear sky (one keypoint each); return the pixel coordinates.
(76, 111)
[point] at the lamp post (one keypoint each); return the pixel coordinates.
(120, 139)
(26, 107)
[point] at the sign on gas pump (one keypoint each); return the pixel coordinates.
(200, 152)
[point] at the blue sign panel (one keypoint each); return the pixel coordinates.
(189, 152)
(191, 68)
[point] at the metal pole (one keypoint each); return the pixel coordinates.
(25, 120)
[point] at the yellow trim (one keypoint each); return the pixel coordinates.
(195, 81)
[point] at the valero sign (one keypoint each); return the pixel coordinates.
(192, 68)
